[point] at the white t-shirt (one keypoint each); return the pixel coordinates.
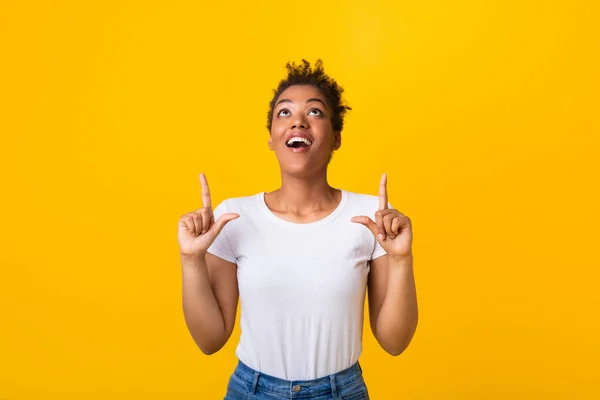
(302, 286)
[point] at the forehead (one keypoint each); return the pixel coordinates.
(301, 93)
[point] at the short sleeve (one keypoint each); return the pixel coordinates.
(221, 246)
(378, 251)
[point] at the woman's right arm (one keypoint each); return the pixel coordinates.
(210, 298)
(210, 291)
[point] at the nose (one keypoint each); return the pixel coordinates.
(299, 122)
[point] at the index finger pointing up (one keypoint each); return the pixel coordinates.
(205, 192)
(383, 200)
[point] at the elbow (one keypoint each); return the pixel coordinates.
(209, 352)
(208, 342)
(209, 349)
(396, 351)
(397, 347)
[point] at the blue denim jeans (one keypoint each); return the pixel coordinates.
(248, 384)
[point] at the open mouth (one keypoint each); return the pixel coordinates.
(298, 143)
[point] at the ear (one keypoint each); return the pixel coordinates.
(337, 140)
(271, 142)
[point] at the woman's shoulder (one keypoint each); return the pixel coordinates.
(364, 200)
(236, 204)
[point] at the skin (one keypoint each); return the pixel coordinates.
(393, 309)
(305, 195)
(210, 287)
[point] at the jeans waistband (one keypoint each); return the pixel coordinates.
(298, 388)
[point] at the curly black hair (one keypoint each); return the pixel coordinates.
(304, 74)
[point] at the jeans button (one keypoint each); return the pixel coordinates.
(297, 388)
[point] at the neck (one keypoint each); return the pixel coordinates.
(301, 195)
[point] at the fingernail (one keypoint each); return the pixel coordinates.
(380, 236)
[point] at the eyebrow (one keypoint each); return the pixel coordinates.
(308, 101)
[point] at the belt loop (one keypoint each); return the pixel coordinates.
(333, 387)
(255, 383)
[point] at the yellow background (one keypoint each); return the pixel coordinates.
(484, 114)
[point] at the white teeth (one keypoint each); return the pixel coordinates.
(298, 139)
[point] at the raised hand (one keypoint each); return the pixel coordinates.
(197, 230)
(393, 229)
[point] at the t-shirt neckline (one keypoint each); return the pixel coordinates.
(294, 225)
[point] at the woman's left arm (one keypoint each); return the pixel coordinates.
(393, 307)
(393, 310)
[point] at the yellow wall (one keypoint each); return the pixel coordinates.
(484, 115)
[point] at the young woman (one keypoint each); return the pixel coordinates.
(300, 259)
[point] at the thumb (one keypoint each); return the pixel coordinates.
(222, 221)
(366, 221)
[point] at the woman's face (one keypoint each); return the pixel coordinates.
(301, 131)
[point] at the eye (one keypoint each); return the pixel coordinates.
(279, 114)
(318, 112)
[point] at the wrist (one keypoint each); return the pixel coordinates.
(191, 259)
(401, 258)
